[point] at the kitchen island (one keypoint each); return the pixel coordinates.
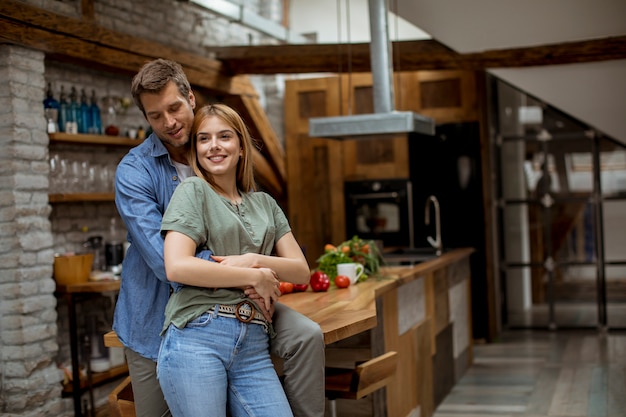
(422, 312)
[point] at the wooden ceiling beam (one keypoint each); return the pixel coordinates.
(409, 56)
(84, 41)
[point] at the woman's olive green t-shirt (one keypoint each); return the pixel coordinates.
(213, 222)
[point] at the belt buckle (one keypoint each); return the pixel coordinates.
(244, 319)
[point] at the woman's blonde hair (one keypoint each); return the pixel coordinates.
(245, 168)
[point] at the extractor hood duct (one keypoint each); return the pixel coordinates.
(385, 120)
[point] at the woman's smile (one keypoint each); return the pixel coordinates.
(219, 145)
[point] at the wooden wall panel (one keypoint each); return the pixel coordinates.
(314, 173)
(411, 387)
(424, 368)
(443, 365)
(440, 289)
(402, 394)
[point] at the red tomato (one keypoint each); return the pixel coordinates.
(342, 281)
(300, 287)
(319, 281)
(285, 287)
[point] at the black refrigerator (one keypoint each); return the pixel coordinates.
(448, 166)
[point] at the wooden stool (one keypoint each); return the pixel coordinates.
(121, 400)
(356, 383)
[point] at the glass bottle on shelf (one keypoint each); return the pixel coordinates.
(73, 113)
(85, 114)
(51, 110)
(110, 115)
(96, 121)
(63, 110)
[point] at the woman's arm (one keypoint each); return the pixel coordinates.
(182, 266)
(289, 265)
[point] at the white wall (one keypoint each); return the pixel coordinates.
(331, 19)
(480, 25)
(594, 93)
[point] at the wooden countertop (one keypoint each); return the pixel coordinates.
(89, 287)
(342, 313)
(404, 274)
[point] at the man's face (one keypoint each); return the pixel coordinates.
(170, 115)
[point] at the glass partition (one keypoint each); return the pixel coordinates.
(561, 192)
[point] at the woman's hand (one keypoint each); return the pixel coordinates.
(247, 260)
(266, 291)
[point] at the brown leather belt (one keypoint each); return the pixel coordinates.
(244, 312)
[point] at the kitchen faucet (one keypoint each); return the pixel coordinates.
(435, 243)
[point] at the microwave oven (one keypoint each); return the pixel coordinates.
(380, 210)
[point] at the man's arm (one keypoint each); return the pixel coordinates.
(137, 201)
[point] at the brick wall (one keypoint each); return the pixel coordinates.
(33, 323)
(28, 345)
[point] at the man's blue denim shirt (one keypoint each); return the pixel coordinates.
(144, 183)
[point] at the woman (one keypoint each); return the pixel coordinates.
(215, 350)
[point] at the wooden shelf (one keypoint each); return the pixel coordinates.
(80, 197)
(93, 139)
(97, 378)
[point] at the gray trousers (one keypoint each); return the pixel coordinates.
(299, 342)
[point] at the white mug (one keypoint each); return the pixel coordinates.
(352, 270)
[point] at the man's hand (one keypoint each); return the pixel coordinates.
(253, 295)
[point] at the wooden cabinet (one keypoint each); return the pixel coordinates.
(317, 168)
(445, 96)
(423, 313)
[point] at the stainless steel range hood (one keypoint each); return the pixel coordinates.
(385, 121)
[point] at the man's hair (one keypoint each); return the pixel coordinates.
(154, 76)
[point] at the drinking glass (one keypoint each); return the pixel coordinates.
(53, 178)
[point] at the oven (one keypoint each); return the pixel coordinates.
(380, 210)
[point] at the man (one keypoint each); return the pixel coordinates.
(145, 181)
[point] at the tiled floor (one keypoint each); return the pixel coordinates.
(541, 373)
(570, 315)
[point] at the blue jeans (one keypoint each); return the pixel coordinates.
(216, 363)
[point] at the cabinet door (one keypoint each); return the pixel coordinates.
(371, 158)
(446, 96)
(314, 167)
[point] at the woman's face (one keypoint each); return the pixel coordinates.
(218, 147)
